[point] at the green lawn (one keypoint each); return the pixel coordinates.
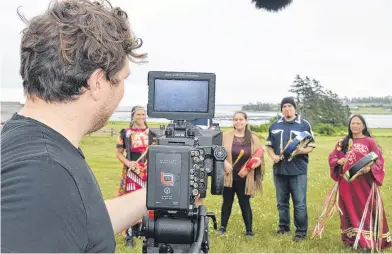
(100, 154)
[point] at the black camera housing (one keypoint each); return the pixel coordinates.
(181, 157)
(179, 164)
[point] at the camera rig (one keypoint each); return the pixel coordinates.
(181, 157)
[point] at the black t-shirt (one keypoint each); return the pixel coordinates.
(50, 199)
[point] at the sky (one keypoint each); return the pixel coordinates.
(346, 45)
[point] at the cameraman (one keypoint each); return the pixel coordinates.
(74, 60)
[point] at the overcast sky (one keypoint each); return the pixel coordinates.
(345, 44)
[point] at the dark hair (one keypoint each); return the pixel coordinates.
(62, 47)
(365, 132)
(133, 110)
(248, 133)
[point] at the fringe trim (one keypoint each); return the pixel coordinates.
(250, 187)
(376, 223)
(331, 203)
(228, 180)
(351, 232)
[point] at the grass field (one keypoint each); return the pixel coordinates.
(100, 154)
(375, 111)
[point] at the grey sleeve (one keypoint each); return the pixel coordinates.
(41, 209)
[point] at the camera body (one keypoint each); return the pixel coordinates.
(181, 157)
(179, 164)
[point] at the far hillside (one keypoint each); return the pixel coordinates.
(356, 105)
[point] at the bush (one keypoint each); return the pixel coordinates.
(321, 129)
(259, 128)
(263, 127)
(325, 129)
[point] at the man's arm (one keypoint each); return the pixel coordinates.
(127, 210)
(269, 147)
(270, 152)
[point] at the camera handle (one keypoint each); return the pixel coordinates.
(219, 156)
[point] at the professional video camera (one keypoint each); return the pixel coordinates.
(181, 156)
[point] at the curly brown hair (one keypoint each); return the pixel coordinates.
(62, 47)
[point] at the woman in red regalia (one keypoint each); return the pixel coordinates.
(134, 141)
(362, 215)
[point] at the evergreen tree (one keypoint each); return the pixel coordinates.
(317, 104)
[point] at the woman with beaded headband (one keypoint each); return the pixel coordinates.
(134, 141)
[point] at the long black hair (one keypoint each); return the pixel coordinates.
(248, 134)
(365, 132)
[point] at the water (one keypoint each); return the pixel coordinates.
(224, 115)
(378, 121)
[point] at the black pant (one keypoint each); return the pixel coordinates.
(228, 198)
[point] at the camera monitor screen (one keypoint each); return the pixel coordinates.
(181, 95)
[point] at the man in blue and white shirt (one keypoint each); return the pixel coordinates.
(290, 177)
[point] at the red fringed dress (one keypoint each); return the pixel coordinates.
(354, 196)
(135, 143)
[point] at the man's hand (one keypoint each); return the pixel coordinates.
(342, 161)
(198, 201)
(276, 158)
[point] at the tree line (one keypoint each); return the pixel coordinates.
(386, 100)
(260, 106)
(314, 102)
(327, 112)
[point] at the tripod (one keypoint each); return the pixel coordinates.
(172, 233)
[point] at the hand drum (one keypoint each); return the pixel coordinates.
(300, 141)
(351, 172)
(256, 156)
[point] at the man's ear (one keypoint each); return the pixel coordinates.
(95, 83)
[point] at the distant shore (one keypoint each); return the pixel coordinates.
(361, 111)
